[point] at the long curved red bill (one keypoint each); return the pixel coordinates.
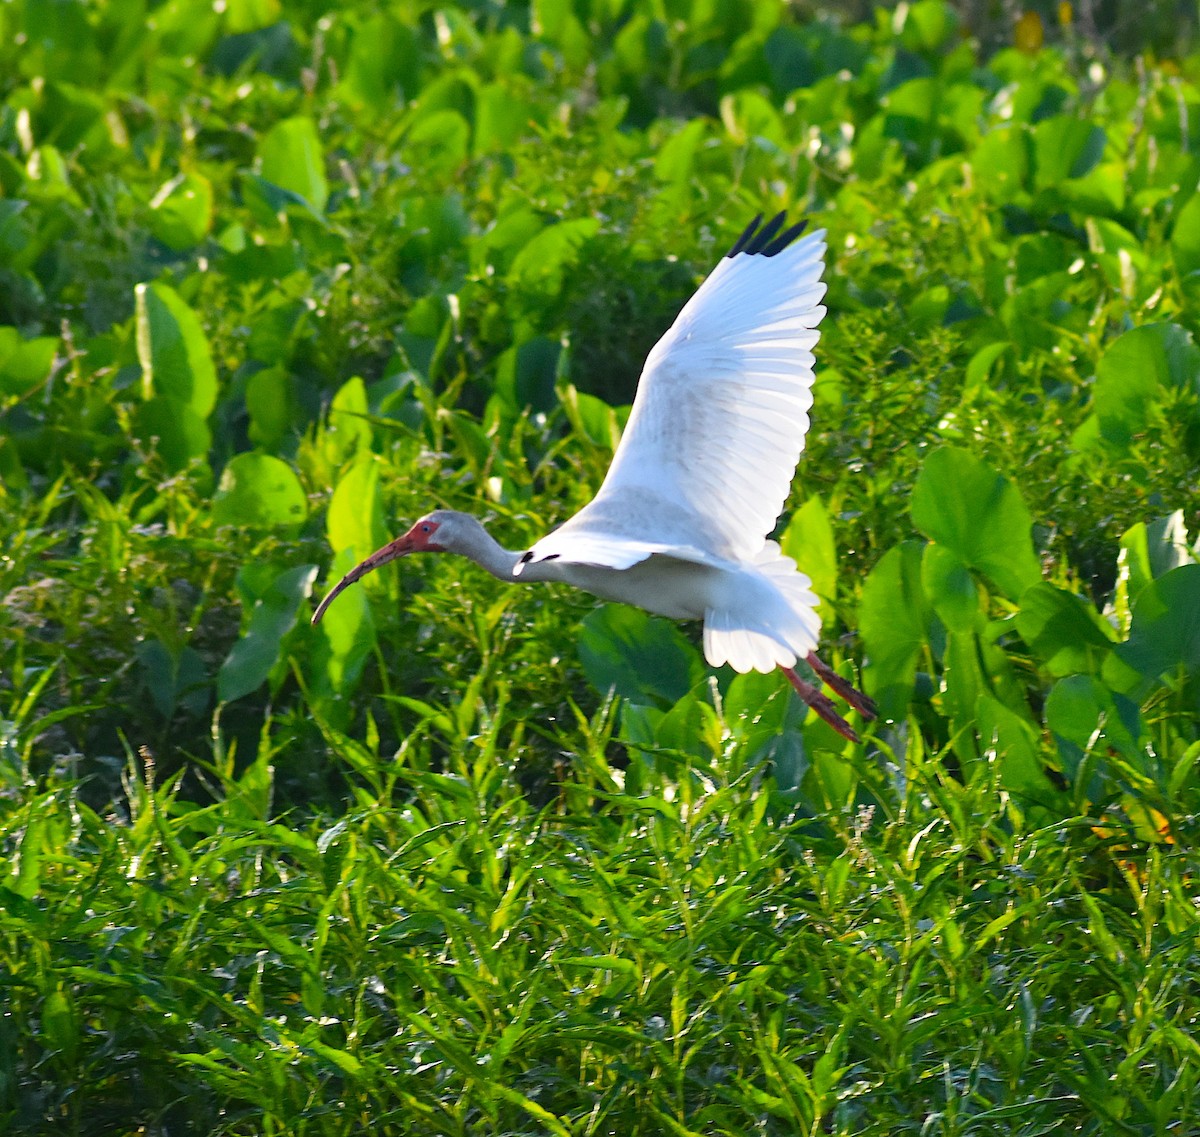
(400, 547)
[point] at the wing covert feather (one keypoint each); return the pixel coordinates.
(718, 423)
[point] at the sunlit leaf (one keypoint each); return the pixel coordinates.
(270, 404)
(1066, 147)
(384, 59)
(759, 708)
(259, 491)
(978, 514)
(893, 620)
(1135, 371)
(173, 430)
(24, 363)
(1147, 551)
(1063, 630)
(502, 118)
(1165, 635)
(440, 141)
(347, 431)
(345, 639)
(355, 521)
(1185, 237)
(181, 211)
(539, 269)
(952, 590)
(292, 158)
(808, 540)
(173, 350)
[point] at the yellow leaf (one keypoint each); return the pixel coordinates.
(1029, 33)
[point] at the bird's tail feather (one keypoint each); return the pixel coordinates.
(770, 622)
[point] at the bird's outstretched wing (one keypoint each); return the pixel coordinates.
(717, 426)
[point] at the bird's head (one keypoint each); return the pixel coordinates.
(434, 533)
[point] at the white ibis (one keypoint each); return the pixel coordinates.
(680, 526)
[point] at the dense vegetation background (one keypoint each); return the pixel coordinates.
(277, 278)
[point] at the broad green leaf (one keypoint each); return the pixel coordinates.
(347, 431)
(526, 375)
(952, 590)
(384, 62)
(686, 725)
(1015, 742)
(48, 168)
(982, 363)
(676, 158)
(355, 521)
(1065, 146)
(173, 351)
(1086, 718)
(270, 405)
(249, 664)
(174, 430)
(591, 418)
(829, 780)
(1165, 634)
(181, 211)
(292, 157)
(1135, 371)
(928, 24)
(963, 685)
(24, 364)
(642, 658)
(1133, 573)
(1000, 162)
(789, 765)
(759, 708)
(808, 540)
(748, 115)
(259, 491)
(962, 503)
(1148, 551)
(440, 141)
(472, 441)
(1167, 545)
(61, 1026)
(893, 620)
(502, 118)
(344, 641)
(1185, 237)
(495, 249)
(243, 16)
(173, 680)
(540, 268)
(1065, 632)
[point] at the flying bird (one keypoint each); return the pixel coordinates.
(681, 525)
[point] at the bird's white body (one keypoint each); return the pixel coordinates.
(680, 526)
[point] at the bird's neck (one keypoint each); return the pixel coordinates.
(481, 547)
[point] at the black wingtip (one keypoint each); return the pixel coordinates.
(768, 240)
(747, 233)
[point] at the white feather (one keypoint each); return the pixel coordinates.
(707, 458)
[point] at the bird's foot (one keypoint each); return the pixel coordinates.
(860, 702)
(821, 703)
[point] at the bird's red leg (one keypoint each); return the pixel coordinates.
(821, 703)
(860, 702)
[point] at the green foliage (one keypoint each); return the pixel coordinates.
(275, 280)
